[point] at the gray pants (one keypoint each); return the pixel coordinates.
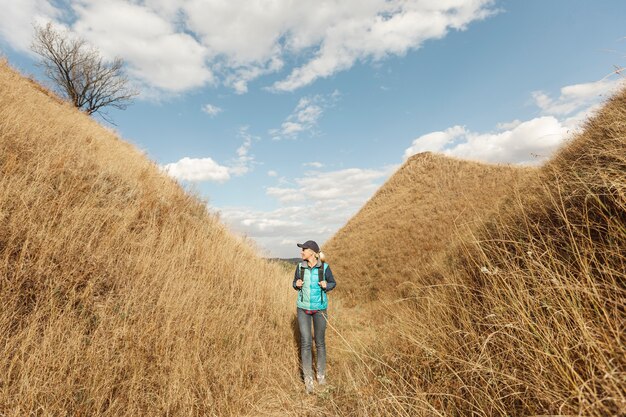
(319, 325)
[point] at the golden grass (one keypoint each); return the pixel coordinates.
(463, 288)
(120, 294)
(521, 314)
(413, 218)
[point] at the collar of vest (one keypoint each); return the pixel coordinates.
(306, 264)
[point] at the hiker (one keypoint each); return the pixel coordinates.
(313, 279)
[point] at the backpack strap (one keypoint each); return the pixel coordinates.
(301, 276)
(320, 278)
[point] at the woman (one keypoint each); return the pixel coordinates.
(313, 279)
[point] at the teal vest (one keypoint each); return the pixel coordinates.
(312, 296)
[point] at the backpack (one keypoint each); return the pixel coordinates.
(320, 278)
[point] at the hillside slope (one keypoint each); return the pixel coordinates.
(463, 288)
(120, 294)
(519, 313)
(413, 217)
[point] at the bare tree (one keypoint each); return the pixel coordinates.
(80, 73)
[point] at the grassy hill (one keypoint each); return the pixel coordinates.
(414, 217)
(463, 288)
(512, 289)
(120, 294)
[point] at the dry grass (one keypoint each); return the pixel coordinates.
(464, 289)
(413, 218)
(522, 313)
(120, 294)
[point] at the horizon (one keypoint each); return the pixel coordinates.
(288, 120)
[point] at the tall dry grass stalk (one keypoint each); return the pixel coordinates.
(120, 294)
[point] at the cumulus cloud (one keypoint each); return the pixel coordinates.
(211, 110)
(313, 164)
(347, 185)
(206, 169)
(530, 141)
(284, 195)
(179, 45)
(575, 97)
(434, 141)
(243, 163)
(279, 229)
(305, 116)
(18, 17)
(375, 30)
(157, 52)
(313, 207)
(238, 77)
(197, 169)
(508, 125)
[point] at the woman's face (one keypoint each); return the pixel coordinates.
(306, 253)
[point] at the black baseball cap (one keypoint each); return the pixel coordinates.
(309, 244)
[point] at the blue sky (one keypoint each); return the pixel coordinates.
(287, 115)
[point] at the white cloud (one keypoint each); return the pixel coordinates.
(239, 77)
(206, 169)
(575, 97)
(313, 164)
(211, 110)
(198, 169)
(305, 116)
(157, 52)
(18, 17)
(175, 46)
(289, 129)
(525, 143)
(285, 195)
(434, 141)
(272, 173)
(530, 141)
(244, 161)
(508, 125)
(307, 111)
(347, 185)
(375, 30)
(313, 208)
(263, 224)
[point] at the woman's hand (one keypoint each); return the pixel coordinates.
(299, 283)
(323, 284)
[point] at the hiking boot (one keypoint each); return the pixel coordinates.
(308, 384)
(321, 379)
